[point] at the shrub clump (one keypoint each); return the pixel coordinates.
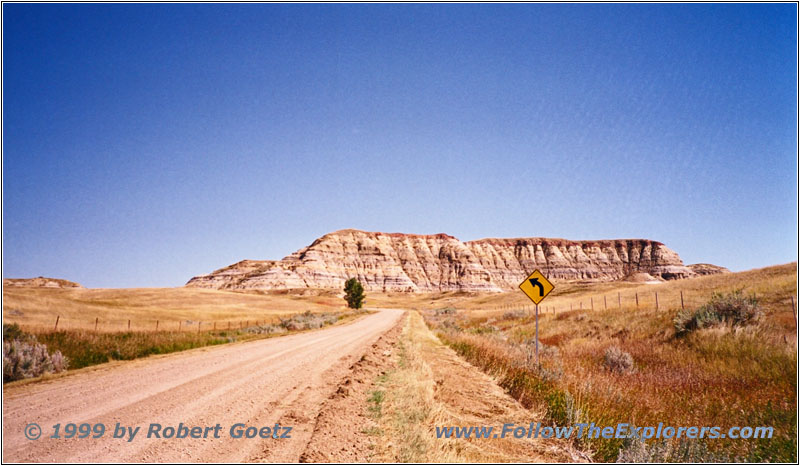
(24, 357)
(304, 321)
(308, 320)
(449, 325)
(266, 329)
(515, 314)
(734, 309)
(484, 329)
(618, 361)
(635, 450)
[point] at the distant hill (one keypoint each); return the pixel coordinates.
(400, 262)
(707, 269)
(41, 282)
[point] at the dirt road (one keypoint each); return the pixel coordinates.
(282, 380)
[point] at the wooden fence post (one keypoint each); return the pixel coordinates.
(198, 326)
(215, 326)
(605, 302)
(592, 301)
(794, 313)
(96, 319)
(637, 300)
(682, 300)
(129, 324)
(156, 325)
(656, 300)
(57, 319)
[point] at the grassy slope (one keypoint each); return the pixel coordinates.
(774, 285)
(712, 377)
(37, 308)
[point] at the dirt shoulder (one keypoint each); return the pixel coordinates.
(344, 430)
(406, 386)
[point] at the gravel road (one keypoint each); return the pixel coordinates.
(280, 380)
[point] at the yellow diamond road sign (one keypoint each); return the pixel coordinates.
(536, 286)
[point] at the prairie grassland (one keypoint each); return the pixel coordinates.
(773, 286)
(722, 376)
(186, 309)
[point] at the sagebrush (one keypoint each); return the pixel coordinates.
(618, 361)
(24, 357)
(635, 450)
(734, 309)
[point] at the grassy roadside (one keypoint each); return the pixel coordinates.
(430, 387)
(85, 348)
(718, 376)
(403, 405)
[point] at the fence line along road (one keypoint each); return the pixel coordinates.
(636, 301)
(158, 325)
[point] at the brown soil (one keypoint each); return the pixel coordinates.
(462, 395)
(281, 380)
(340, 433)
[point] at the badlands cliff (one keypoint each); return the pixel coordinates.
(433, 263)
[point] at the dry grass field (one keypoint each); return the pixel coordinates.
(774, 287)
(36, 309)
(724, 375)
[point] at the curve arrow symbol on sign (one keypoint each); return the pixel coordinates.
(535, 282)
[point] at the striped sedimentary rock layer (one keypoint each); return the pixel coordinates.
(432, 263)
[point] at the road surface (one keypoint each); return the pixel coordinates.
(280, 380)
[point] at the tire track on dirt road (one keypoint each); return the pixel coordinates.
(257, 383)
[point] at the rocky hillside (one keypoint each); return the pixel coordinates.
(42, 282)
(432, 263)
(707, 269)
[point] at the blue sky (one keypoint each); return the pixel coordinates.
(144, 144)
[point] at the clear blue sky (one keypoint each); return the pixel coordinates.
(145, 144)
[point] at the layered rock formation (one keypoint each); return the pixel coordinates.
(433, 263)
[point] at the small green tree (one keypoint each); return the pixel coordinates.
(353, 293)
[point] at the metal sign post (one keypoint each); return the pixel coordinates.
(537, 334)
(536, 287)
